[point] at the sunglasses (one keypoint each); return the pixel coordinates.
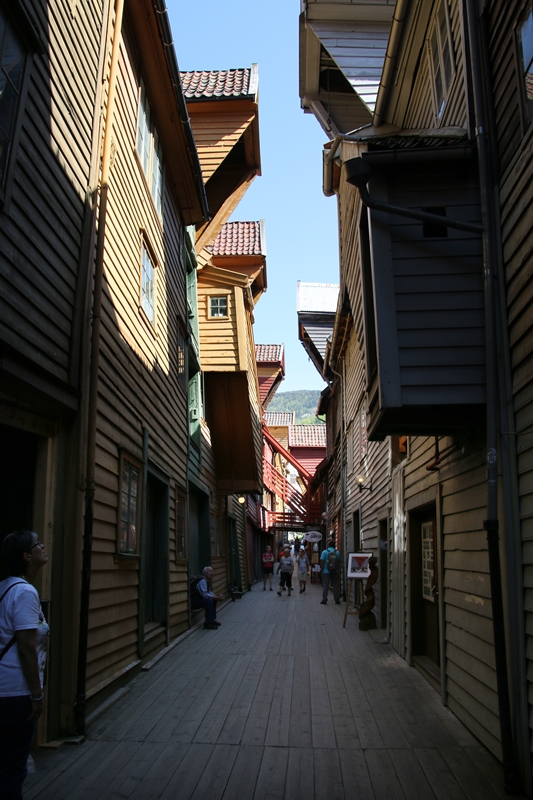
(37, 544)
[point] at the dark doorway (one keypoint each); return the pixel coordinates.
(155, 551)
(384, 574)
(18, 462)
(198, 532)
(424, 590)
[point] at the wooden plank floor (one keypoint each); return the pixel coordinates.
(281, 703)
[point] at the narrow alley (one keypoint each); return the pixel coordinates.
(280, 702)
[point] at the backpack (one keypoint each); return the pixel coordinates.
(332, 561)
(12, 641)
(193, 588)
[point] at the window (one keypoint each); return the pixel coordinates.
(441, 57)
(180, 523)
(148, 286)
(525, 46)
(432, 230)
(363, 437)
(349, 449)
(182, 364)
(12, 62)
(130, 482)
(218, 306)
(150, 150)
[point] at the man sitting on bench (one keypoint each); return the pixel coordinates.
(203, 597)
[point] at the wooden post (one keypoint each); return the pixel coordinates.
(359, 597)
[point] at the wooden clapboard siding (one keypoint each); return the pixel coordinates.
(40, 235)
(216, 135)
(421, 109)
(138, 388)
(218, 336)
(254, 394)
(515, 149)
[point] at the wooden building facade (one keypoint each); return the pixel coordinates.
(410, 370)
(104, 221)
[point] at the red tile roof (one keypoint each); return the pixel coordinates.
(268, 352)
(279, 418)
(240, 239)
(219, 84)
(307, 436)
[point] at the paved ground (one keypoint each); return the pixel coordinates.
(281, 703)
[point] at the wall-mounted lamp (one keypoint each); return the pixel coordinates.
(362, 483)
(242, 499)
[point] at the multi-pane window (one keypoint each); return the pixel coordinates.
(150, 150)
(441, 57)
(218, 306)
(180, 524)
(526, 56)
(148, 286)
(12, 62)
(182, 375)
(129, 506)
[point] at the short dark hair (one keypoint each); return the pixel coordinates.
(331, 543)
(13, 548)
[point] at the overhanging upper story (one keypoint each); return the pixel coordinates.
(418, 283)
(342, 52)
(316, 306)
(226, 299)
(223, 108)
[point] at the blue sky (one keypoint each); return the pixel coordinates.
(300, 223)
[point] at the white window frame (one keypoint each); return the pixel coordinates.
(148, 298)
(150, 150)
(435, 38)
(217, 297)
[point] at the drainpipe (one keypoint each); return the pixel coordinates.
(491, 524)
(81, 697)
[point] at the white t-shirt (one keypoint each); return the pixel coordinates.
(20, 610)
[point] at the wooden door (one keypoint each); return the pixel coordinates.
(430, 588)
(154, 550)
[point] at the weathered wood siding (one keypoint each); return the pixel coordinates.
(138, 388)
(41, 229)
(420, 112)
(515, 148)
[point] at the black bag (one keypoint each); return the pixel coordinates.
(332, 561)
(193, 588)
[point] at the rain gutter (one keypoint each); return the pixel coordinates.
(172, 63)
(400, 12)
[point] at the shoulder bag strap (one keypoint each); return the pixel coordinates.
(12, 641)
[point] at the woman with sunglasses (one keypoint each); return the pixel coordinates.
(23, 638)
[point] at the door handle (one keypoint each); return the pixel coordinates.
(435, 590)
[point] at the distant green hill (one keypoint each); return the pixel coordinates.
(304, 402)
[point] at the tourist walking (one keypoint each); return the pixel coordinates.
(331, 559)
(23, 639)
(297, 546)
(268, 567)
(285, 568)
(302, 566)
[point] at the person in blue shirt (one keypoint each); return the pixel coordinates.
(331, 565)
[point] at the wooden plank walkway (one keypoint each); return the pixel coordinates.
(281, 703)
